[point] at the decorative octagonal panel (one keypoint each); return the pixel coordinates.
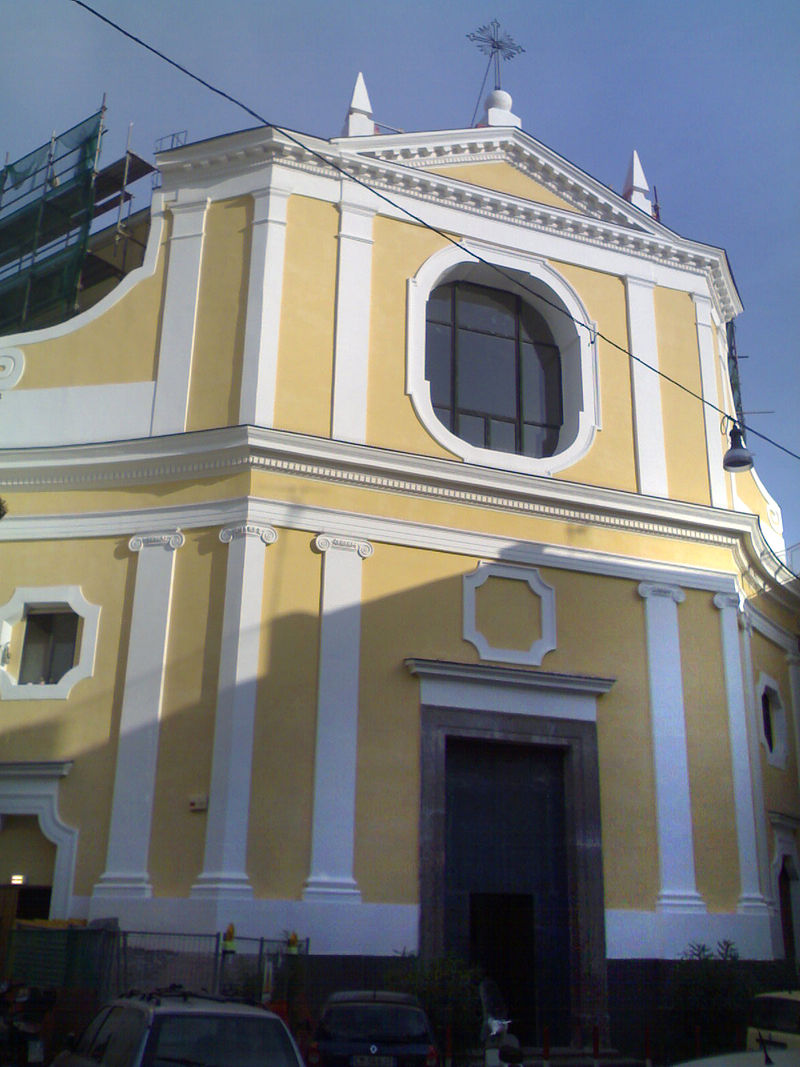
(509, 613)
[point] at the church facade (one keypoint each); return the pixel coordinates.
(357, 581)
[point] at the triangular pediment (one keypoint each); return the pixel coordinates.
(504, 178)
(508, 161)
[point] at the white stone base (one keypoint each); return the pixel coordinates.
(666, 935)
(333, 928)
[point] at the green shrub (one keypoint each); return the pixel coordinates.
(447, 988)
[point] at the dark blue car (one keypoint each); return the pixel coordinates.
(373, 1029)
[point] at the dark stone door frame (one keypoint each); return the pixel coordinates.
(576, 738)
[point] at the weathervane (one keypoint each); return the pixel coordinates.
(496, 45)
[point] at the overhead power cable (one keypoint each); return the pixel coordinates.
(500, 271)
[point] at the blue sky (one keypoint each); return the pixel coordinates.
(706, 90)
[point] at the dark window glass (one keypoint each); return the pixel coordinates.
(232, 1040)
(48, 648)
(494, 370)
(502, 436)
(438, 365)
(374, 1022)
(776, 1013)
(766, 712)
(472, 429)
(486, 376)
(485, 310)
(116, 1042)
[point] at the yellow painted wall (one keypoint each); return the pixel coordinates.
(683, 416)
(305, 356)
(508, 613)
(724, 401)
(84, 727)
(216, 378)
(505, 179)
(780, 786)
(279, 839)
(709, 753)
(119, 346)
(187, 719)
(399, 250)
(534, 527)
(25, 850)
(412, 608)
(611, 460)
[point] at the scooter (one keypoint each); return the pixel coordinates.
(494, 1031)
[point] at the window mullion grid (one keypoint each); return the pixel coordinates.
(519, 429)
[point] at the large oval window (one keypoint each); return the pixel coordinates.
(494, 370)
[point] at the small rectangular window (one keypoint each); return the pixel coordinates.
(48, 647)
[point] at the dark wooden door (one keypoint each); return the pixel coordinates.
(506, 905)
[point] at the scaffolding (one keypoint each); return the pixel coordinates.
(49, 200)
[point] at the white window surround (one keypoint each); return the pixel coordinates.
(577, 345)
(12, 366)
(31, 788)
(776, 756)
(43, 598)
(546, 596)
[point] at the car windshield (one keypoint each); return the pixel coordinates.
(776, 1013)
(220, 1041)
(374, 1022)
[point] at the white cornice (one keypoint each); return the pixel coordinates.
(398, 166)
(220, 453)
(514, 677)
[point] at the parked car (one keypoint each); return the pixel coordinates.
(373, 1029)
(775, 1019)
(777, 1057)
(177, 1027)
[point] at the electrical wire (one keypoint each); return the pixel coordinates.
(592, 331)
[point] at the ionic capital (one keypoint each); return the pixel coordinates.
(172, 540)
(325, 542)
(669, 592)
(726, 600)
(267, 534)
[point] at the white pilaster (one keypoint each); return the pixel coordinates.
(751, 898)
(793, 660)
(353, 286)
(648, 421)
(262, 326)
(126, 873)
(678, 892)
(224, 867)
(708, 379)
(179, 318)
(333, 829)
(753, 712)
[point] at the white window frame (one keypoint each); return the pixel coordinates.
(780, 740)
(577, 347)
(48, 598)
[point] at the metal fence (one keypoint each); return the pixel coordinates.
(110, 962)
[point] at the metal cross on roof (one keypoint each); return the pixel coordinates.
(495, 44)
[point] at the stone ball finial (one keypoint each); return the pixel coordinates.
(499, 98)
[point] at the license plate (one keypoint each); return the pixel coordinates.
(373, 1061)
